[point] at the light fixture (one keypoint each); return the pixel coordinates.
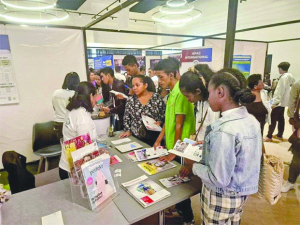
(181, 10)
(28, 5)
(176, 3)
(176, 24)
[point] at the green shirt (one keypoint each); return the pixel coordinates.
(177, 104)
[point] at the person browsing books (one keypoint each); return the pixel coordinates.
(194, 86)
(142, 102)
(232, 151)
(78, 120)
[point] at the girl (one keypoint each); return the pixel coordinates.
(232, 150)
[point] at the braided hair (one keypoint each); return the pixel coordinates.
(236, 83)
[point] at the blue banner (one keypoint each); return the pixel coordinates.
(103, 61)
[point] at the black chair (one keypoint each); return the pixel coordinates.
(45, 143)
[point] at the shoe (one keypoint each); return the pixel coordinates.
(266, 139)
(287, 186)
(189, 223)
(279, 138)
(172, 213)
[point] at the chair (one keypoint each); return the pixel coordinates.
(45, 144)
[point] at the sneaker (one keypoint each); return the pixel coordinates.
(287, 186)
(266, 139)
(189, 223)
(279, 138)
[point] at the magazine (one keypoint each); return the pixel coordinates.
(98, 180)
(155, 166)
(186, 149)
(150, 123)
(128, 147)
(131, 156)
(173, 181)
(150, 153)
(145, 191)
(114, 159)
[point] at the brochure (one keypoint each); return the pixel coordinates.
(119, 93)
(186, 149)
(114, 159)
(131, 156)
(145, 191)
(128, 147)
(150, 123)
(98, 180)
(150, 153)
(155, 166)
(120, 141)
(173, 181)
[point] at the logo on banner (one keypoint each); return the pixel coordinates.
(197, 55)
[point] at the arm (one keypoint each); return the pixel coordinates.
(120, 103)
(179, 126)
(221, 162)
(294, 94)
(160, 137)
(279, 91)
(127, 116)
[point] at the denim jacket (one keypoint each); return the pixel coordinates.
(232, 151)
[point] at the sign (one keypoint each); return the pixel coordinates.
(196, 55)
(103, 61)
(242, 63)
(8, 87)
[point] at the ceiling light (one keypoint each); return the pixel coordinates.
(181, 10)
(24, 25)
(176, 3)
(28, 5)
(176, 24)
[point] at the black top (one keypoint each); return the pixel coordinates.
(259, 111)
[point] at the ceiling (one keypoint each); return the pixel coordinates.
(251, 13)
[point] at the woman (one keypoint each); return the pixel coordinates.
(260, 108)
(232, 150)
(60, 100)
(142, 102)
(78, 120)
(193, 85)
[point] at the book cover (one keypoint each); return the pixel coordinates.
(128, 147)
(150, 123)
(114, 159)
(150, 153)
(131, 156)
(145, 191)
(155, 166)
(186, 149)
(98, 180)
(173, 181)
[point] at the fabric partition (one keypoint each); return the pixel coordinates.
(41, 58)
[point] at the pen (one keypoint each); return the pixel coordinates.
(126, 86)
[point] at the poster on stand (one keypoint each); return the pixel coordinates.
(103, 61)
(118, 62)
(141, 60)
(91, 63)
(242, 63)
(8, 87)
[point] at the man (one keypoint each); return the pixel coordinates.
(279, 101)
(294, 170)
(179, 121)
(132, 67)
(118, 105)
(118, 74)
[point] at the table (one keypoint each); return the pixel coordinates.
(30, 206)
(102, 124)
(129, 207)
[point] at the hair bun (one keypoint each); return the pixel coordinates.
(244, 96)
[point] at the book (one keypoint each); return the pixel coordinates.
(186, 149)
(128, 147)
(155, 166)
(98, 180)
(114, 159)
(145, 191)
(150, 123)
(150, 153)
(173, 181)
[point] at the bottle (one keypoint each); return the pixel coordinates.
(111, 131)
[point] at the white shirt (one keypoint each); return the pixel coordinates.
(120, 76)
(60, 100)
(282, 91)
(77, 122)
(155, 81)
(211, 117)
(266, 103)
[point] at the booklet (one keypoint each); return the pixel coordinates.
(131, 156)
(173, 181)
(155, 166)
(150, 123)
(186, 149)
(150, 153)
(98, 180)
(128, 147)
(145, 191)
(114, 159)
(118, 93)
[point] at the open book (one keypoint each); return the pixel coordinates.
(173, 181)
(155, 166)
(150, 123)
(150, 153)
(145, 191)
(186, 149)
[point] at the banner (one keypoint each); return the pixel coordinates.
(8, 87)
(196, 55)
(103, 61)
(242, 63)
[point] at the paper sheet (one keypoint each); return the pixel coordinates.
(54, 218)
(150, 123)
(119, 93)
(120, 141)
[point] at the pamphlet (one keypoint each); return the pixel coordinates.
(98, 180)
(114, 159)
(150, 123)
(131, 156)
(128, 147)
(145, 191)
(150, 153)
(186, 149)
(54, 218)
(118, 93)
(120, 141)
(173, 181)
(155, 166)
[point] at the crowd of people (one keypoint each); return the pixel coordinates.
(221, 110)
